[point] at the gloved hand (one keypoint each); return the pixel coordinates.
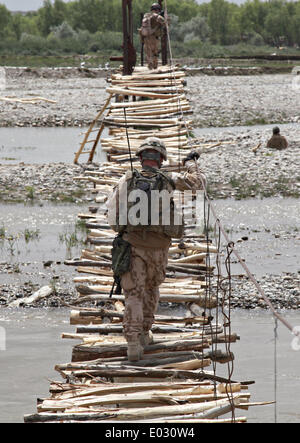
(193, 155)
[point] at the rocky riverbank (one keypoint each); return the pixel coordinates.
(283, 291)
(77, 95)
(243, 167)
(35, 184)
(232, 168)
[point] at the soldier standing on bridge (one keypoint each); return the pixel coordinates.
(140, 251)
(150, 32)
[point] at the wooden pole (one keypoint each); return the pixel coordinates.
(86, 137)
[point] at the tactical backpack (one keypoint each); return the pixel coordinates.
(146, 29)
(155, 181)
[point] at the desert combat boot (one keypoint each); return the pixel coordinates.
(135, 351)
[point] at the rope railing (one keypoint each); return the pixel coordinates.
(294, 330)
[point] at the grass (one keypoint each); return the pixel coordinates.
(68, 198)
(2, 232)
(185, 54)
(30, 192)
(257, 121)
(70, 239)
(243, 188)
(31, 234)
(53, 61)
(80, 225)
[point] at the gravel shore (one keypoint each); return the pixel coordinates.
(233, 170)
(216, 100)
(282, 290)
(38, 183)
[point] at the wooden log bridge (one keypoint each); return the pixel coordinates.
(177, 380)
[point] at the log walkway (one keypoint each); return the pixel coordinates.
(177, 380)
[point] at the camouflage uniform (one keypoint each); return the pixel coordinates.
(277, 141)
(149, 261)
(141, 289)
(151, 43)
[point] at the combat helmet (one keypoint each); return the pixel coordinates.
(155, 6)
(153, 143)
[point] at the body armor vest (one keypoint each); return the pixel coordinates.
(157, 195)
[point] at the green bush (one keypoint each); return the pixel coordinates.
(33, 44)
(209, 29)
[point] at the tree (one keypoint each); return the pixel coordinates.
(5, 19)
(196, 28)
(277, 25)
(218, 21)
(88, 14)
(51, 15)
(63, 31)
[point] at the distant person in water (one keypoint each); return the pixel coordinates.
(277, 141)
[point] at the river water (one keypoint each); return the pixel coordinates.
(48, 145)
(33, 346)
(30, 339)
(42, 145)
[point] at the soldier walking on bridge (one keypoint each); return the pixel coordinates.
(150, 32)
(140, 251)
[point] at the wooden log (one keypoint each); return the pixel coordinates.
(102, 289)
(140, 121)
(130, 414)
(201, 247)
(66, 390)
(205, 302)
(85, 353)
(183, 267)
(42, 293)
(171, 357)
(228, 338)
(190, 419)
(156, 328)
(137, 93)
(189, 259)
(149, 103)
(153, 359)
(148, 397)
(113, 372)
(149, 76)
(95, 316)
(190, 365)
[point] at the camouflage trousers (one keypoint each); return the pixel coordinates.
(151, 46)
(141, 289)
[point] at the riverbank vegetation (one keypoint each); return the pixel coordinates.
(214, 29)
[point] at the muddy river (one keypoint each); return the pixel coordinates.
(33, 346)
(41, 145)
(266, 234)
